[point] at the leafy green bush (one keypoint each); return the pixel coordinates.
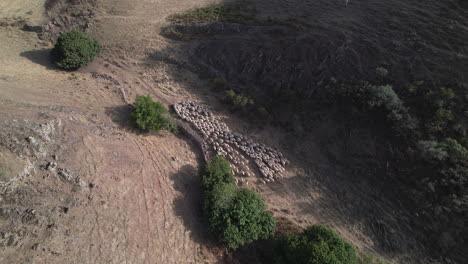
(235, 215)
(380, 98)
(316, 245)
(152, 116)
(437, 109)
(215, 172)
(431, 150)
(385, 97)
(449, 149)
(74, 49)
(238, 100)
(450, 180)
(456, 152)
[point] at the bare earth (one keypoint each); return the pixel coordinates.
(127, 197)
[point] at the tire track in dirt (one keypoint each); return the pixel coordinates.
(145, 199)
(92, 170)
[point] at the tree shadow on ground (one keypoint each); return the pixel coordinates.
(121, 115)
(41, 57)
(188, 206)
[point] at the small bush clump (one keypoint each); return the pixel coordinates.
(449, 150)
(238, 101)
(381, 99)
(431, 150)
(316, 245)
(449, 160)
(151, 116)
(216, 172)
(386, 98)
(436, 108)
(235, 215)
(74, 49)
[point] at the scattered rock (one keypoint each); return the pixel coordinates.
(65, 174)
(51, 166)
(31, 28)
(34, 247)
(31, 140)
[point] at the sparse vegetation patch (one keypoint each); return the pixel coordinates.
(235, 13)
(240, 13)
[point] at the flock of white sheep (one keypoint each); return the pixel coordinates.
(241, 151)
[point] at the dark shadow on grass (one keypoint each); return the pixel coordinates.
(42, 57)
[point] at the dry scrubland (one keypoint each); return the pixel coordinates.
(365, 99)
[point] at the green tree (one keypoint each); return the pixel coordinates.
(432, 150)
(74, 49)
(385, 97)
(316, 245)
(449, 149)
(217, 171)
(235, 215)
(152, 116)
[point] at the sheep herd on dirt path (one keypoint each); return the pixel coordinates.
(243, 153)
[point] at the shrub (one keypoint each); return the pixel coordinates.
(451, 178)
(238, 100)
(316, 245)
(152, 116)
(437, 107)
(74, 49)
(215, 172)
(440, 120)
(449, 149)
(456, 177)
(385, 97)
(456, 152)
(431, 150)
(235, 215)
(381, 98)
